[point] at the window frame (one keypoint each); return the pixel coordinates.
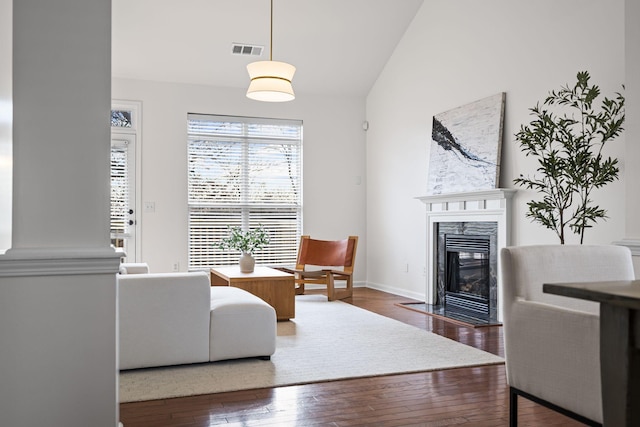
(210, 215)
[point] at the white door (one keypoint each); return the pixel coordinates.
(123, 194)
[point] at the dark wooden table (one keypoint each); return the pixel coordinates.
(619, 344)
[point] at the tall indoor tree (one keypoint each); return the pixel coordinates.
(567, 136)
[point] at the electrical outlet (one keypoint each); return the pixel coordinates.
(176, 266)
(149, 206)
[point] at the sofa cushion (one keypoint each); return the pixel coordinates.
(163, 319)
(134, 268)
(242, 325)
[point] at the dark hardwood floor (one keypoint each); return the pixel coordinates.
(467, 396)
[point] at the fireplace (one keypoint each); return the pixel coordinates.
(467, 266)
(476, 213)
(467, 273)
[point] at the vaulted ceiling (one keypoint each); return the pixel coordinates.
(337, 46)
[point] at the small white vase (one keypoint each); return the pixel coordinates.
(247, 263)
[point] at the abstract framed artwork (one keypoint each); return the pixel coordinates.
(465, 147)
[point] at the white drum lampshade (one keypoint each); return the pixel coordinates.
(271, 81)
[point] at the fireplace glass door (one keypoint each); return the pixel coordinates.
(467, 270)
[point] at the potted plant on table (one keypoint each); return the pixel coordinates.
(247, 242)
(567, 137)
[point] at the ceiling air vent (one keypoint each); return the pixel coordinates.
(246, 49)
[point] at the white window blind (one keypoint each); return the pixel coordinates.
(243, 172)
(119, 191)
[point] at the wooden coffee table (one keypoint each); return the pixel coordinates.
(274, 286)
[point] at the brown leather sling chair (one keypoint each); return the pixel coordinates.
(322, 254)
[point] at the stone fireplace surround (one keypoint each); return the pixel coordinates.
(467, 233)
(477, 206)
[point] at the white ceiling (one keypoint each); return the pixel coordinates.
(337, 46)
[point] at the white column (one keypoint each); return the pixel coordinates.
(61, 101)
(632, 130)
(57, 282)
(5, 124)
(632, 123)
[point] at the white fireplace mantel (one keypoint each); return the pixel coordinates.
(477, 206)
(497, 194)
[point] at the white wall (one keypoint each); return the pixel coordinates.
(456, 52)
(333, 158)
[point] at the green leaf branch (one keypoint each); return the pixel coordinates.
(247, 241)
(567, 136)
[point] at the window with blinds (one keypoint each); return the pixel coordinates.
(243, 172)
(119, 192)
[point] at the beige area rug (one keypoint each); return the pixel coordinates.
(326, 341)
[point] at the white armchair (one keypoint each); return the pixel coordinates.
(552, 343)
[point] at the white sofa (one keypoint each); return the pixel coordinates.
(178, 318)
(552, 343)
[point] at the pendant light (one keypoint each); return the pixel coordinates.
(271, 80)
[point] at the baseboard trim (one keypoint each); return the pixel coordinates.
(396, 291)
(632, 244)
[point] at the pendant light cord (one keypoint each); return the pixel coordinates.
(271, 35)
